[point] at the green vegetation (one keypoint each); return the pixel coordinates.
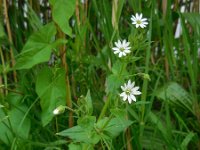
(67, 74)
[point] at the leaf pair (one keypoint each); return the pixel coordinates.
(90, 132)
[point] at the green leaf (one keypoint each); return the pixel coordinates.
(62, 12)
(73, 146)
(14, 123)
(119, 68)
(87, 122)
(119, 10)
(38, 47)
(5, 133)
(160, 125)
(80, 146)
(114, 127)
(187, 139)
(83, 132)
(176, 96)
(119, 113)
(89, 103)
(113, 82)
(193, 18)
(34, 19)
(51, 88)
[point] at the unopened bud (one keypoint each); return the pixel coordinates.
(59, 110)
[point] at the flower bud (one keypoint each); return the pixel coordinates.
(59, 110)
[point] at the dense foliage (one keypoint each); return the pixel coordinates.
(87, 74)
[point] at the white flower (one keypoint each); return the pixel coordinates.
(60, 109)
(56, 111)
(129, 91)
(122, 48)
(139, 21)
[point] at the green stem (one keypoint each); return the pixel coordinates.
(145, 83)
(110, 117)
(128, 132)
(57, 125)
(103, 112)
(109, 97)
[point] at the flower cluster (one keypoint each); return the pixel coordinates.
(122, 48)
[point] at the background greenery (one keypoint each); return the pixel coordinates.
(58, 52)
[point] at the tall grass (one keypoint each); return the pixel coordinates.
(83, 73)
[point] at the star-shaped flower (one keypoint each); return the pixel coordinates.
(129, 91)
(122, 48)
(139, 21)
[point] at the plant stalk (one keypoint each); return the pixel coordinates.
(105, 107)
(64, 64)
(10, 39)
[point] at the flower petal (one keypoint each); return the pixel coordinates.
(127, 51)
(136, 16)
(122, 94)
(133, 97)
(123, 53)
(124, 42)
(133, 18)
(125, 97)
(145, 23)
(123, 88)
(141, 25)
(127, 44)
(116, 52)
(143, 19)
(136, 88)
(129, 83)
(134, 22)
(140, 17)
(115, 48)
(120, 54)
(137, 93)
(129, 99)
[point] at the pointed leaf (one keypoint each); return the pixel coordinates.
(14, 121)
(176, 96)
(38, 47)
(89, 103)
(51, 89)
(113, 82)
(114, 127)
(79, 134)
(62, 12)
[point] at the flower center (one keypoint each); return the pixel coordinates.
(128, 92)
(138, 21)
(121, 49)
